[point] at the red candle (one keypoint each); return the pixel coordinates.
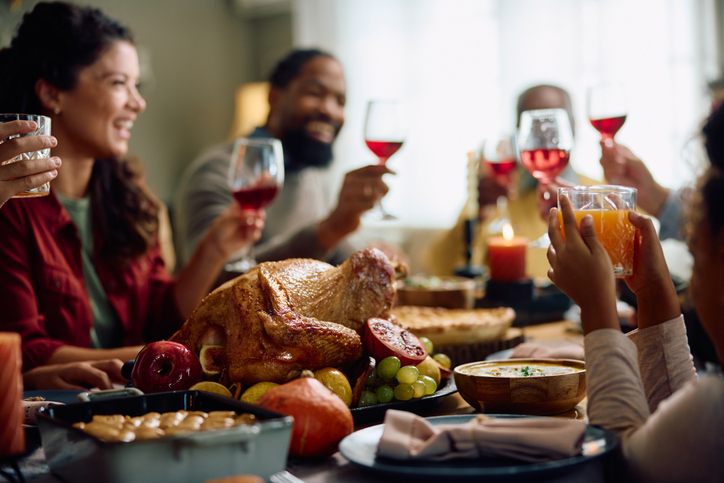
(506, 256)
(12, 434)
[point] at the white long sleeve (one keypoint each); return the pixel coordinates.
(683, 439)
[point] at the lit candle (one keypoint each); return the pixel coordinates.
(506, 256)
(12, 434)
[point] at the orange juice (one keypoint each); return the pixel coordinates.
(616, 234)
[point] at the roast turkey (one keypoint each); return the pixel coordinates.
(282, 317)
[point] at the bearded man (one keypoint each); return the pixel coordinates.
(306, 112)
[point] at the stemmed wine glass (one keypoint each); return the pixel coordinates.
(498, 157)
(384, 134)
(545, 140)
(256, 174)
(607, 109)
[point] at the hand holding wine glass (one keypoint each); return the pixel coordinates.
(384, 134)
(607, 109)
(256, 174)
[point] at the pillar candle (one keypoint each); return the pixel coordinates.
(506, 256)
(12, 434)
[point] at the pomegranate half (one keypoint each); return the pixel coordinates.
(382, 338)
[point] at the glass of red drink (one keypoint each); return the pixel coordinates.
(499, 161)
(607, 109)
(256, 174)
(545, 140)
(384, 134)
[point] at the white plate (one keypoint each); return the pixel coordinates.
(360, 448)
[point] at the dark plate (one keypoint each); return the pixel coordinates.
(376, 413)
(57, 395)
(361, 447)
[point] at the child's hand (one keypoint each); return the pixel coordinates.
(581, 268)
(651, 281)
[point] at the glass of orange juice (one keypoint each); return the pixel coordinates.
(609, 206)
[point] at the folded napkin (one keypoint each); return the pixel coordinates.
(564, 350)
(407, 436)
(31, 407)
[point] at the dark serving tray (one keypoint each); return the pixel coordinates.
(76, 456)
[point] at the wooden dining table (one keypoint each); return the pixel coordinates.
(337, 468)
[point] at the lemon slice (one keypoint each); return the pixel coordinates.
(212, 387)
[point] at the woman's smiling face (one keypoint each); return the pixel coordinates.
(98, 113)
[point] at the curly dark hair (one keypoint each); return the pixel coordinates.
(54, 42)
(712, 186)
(288, 68)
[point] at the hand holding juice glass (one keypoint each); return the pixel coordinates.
(609, 206)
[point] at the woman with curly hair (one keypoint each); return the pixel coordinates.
(82, 277)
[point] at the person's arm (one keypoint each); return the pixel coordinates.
(24, 175)
(682, 439)
(227, 235)
(361, 189)
(76, 376)
(621, 166)
(664, 359)
(670, 217)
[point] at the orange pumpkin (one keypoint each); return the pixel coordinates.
(321, 419)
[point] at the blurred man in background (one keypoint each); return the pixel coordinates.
(306, 112)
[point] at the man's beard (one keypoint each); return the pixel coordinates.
(301, 151)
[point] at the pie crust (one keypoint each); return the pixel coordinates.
(455, 326)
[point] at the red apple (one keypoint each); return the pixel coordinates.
(166, 366)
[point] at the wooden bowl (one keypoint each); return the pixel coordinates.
(446, 292)
(535, 395)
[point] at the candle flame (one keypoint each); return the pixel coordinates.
(508, 232)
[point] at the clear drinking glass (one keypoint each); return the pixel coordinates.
(43, 129)
(545, 140)
(384, 133)
(498, 158)
(609, 206)
(256, 174)
(607, 109)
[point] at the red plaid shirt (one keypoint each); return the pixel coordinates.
(43, 293)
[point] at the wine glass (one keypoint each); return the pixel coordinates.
(256, 174)
(498, 157)
(607, 109)
(384, 134)
(545, 140)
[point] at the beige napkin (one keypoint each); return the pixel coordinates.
(564, 350)
(407, 436)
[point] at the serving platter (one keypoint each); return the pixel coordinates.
(361, 449)
(376, 413)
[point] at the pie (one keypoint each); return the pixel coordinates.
(455, 326)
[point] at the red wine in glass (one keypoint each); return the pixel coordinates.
(502, 167)
(255, 198)
(256, 174)
(384, 133)
(607, 109)
(609, 126)
(545, 164)
(383, 149)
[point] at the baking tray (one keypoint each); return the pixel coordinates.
(79, 457)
